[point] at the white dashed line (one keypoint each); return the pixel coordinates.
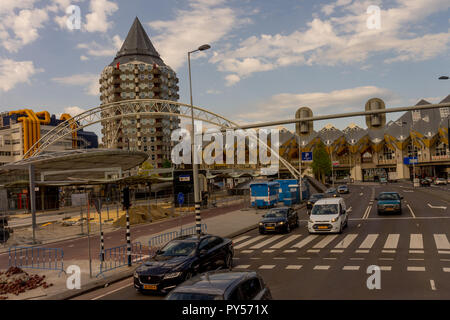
(385, 268)
(290, 251)
(433, 285)
(411, 210)
(267, 266)
(268, 251)
(247, 251)
(242, 266)
(293, 267)
(446, 269)
(351, 268)
(321, 267)
(415, 268)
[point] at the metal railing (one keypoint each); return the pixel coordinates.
(36, 258)
(117, 257)
(158, 241)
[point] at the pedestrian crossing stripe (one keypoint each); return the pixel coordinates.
(316, 243)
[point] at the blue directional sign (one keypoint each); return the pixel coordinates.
(307, 156)
(180, 198)
(410, 160)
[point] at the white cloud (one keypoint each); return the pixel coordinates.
(342, 39)
(83, 58)
(15, 72)
(231, 79)
(213, 91)
(285, 104)
(88, 80)
(74, 110)
(204, 22)
(20, 22)
(96, 49)
(97, 18)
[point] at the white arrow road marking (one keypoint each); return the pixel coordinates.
(437, 207)
(433, 285)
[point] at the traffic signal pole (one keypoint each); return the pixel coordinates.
(126, 204)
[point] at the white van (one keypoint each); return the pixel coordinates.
(328, 215)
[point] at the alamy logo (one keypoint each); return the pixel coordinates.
(212, 146)
(74, 19)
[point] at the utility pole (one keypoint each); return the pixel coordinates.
(126, 204)
(32, 200)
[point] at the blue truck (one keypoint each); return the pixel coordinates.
(289, 193)
(264, 194)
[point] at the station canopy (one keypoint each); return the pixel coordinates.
(82, 166)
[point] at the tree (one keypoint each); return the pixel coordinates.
(143, 169)
(167, 164)
(321, 163)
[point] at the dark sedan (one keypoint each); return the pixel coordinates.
(343, 189)
(279, 220)
(331, 192)
(182, 258)
(223, 285)
(314, 197)
(389, 202)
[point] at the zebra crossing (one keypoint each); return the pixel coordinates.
(360, 243)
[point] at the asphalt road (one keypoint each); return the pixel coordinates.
(411, 249)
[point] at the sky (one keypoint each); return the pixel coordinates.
(267, 58)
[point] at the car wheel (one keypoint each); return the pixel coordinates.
(261, 232)
(297, 224)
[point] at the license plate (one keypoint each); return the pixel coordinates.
(150, 286)
(270, 228)
(322, 227)
(389, 209)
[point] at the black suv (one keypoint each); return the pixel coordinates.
(314, 197)
(279, 220)
(223, 285)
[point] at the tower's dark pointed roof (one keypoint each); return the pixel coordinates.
(137, 46)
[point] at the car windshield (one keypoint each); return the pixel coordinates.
(317, 196)
(330, 191)
(275, 214)
(324, 209)
(178, 248)
(388, 196)
(193, 296)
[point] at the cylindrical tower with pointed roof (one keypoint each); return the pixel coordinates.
(138, 72)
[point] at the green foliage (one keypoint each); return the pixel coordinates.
(321, 164)
(166, 163)
(143, 169)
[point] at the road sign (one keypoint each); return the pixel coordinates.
(180, 198)
(307, 156)
(410, 160)
(185, 178)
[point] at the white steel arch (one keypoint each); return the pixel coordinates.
(133, 108)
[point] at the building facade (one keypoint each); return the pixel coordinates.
(21, 129)
(365, 154)
(138, 72)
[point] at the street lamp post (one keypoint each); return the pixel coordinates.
(198, 220)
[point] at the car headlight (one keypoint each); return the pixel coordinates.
(172, 275)
(281, 222)
(309, 202)
(261, 224)
(334, 220)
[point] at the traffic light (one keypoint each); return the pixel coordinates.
(126, 197)
(304, 128)
(375, 121)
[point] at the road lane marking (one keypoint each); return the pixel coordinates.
(415, 268)
(329, 258)
(304, 258)
(242, 266)
(385, 268)
(416, 259)
(325, 241)
(111, 292)
(254, 258)
(305, 241)
(443, 252)
(351, 268)
(416, 241)
(266, 242)
(344, 243)
(268, 251)
(267, 266)
(361, 251)
(388, 251)
(313, 250)
(433, 285)
(321, 267)
(441, 242)
(279, 258)
(392, 241)
(357, 259)
(416, 251)
(240, 239)
(293, 267)
(368, 241)
(446, 269)
(366, 214)
(247, 251)
(336, 251)
(290, 251)
(285, 241)
(246, 243)
(389, 259)
(411, 210)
